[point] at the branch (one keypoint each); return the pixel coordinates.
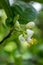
(7, 36)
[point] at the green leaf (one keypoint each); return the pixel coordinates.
(6, 6)
(40, 18)
(3, 17)
(26, 12)
(27, 56)
(18, 61)
(25, 0)
(40, 1)
(9, 22)
(3, 32)
(3, 57)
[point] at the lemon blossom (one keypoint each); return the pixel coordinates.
(29, 39)
(29, 33)
(22, 40)
(33, 41)
(30, 24)
(24, 44)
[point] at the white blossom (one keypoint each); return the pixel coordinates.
(29, 33)
(29, 39)
(23, 41)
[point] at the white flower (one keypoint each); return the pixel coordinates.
(30, 24)
(24, 44)
(29, 40)
(23, 41)
(29, 33)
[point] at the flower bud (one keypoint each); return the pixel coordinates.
(29, 33)
(29, 39)
(21, 39)
(24, 44)
(17, 24)
(30, 25)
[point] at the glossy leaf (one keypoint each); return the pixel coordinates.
(40, 1)
(27, 12)
(6, 6)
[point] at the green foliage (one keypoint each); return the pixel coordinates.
(26, 12)
(19, 44)
(6, 6)
(40, 18)
(40, 1)
(20, 8)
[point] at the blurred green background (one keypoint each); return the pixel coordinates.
(24, 11)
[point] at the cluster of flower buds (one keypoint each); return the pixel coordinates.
(28, 38)
(25, 43)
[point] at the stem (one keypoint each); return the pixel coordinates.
(7, 36)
